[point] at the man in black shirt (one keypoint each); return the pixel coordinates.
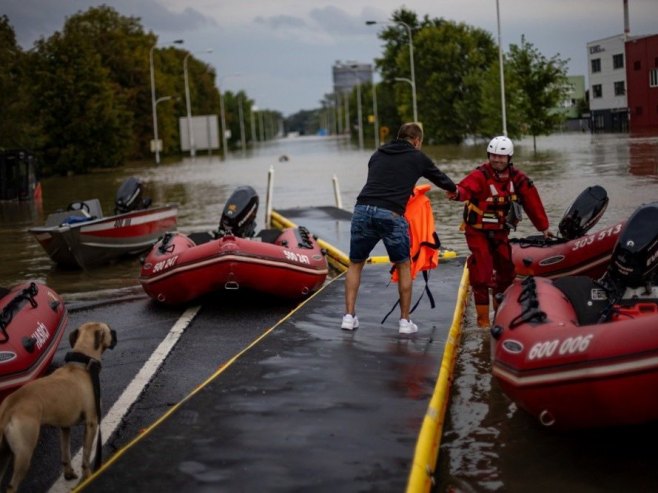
(393, 171)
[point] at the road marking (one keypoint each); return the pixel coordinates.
(115, 415)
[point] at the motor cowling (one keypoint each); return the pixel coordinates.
(634, 260)
(129, 197)
(584, 212)
(239, 215)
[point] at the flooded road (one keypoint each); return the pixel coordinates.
(562, 167)
(488, 444)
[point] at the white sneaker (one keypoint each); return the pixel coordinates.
(407, 327)
(350, 322)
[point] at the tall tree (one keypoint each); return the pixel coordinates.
(449, 58)
(542, 85)
(17, 127)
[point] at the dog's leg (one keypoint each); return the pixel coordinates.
(22, 438)
(91, 427)
(5, 458)
(65, 453)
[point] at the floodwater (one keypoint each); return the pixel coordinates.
(488, 444)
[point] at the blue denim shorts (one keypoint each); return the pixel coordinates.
(371, 224)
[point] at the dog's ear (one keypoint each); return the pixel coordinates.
(113, 343)
(73, 337)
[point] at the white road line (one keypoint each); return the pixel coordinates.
(113, 418)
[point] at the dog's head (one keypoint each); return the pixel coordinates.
(92, 338)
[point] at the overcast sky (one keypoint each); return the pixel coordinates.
(281, 51)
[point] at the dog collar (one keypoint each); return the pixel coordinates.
(75, 357)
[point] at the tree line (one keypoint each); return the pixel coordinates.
(457, 75)
(81, 98)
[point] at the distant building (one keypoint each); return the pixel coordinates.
(607, 85)
(575, 96)
(573, 104)
(348, 74)
(642, 78)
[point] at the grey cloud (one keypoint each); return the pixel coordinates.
(32, 19)
(281, 21)
(335, 20)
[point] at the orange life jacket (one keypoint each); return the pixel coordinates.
(424, 244)
(424, 251)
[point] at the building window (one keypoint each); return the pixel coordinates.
(637, 65)
(596, 91)
(619, 88)
(596, 65)
(653, 78)
(618, 61)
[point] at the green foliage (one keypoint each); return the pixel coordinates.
(449, 60)
(17, 128)
(82, 98)
(541, 85)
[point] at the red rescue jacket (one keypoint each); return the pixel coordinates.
(489, 197)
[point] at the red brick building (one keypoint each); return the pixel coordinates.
(642, 83)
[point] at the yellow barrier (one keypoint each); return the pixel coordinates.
(421, 477)
(337, 258)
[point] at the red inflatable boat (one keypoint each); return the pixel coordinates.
(587, 255)
(286, 264)
(32, 321)
(578, 353)
(574, 252)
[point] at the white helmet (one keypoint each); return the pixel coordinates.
(501, 145)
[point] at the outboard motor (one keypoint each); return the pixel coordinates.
(239, 216)
(634, 260)
(129, 197)
(584, 213)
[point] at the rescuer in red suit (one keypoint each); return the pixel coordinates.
(493, 194)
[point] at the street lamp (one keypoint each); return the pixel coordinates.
(409, 81)
(190, 134)
(358, 104)
(411, 61)
(243, 140)
(156, 144)
(502, 73)
(222, 114)
(254, 137)
(374, 110)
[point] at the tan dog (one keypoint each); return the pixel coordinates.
(63, 399)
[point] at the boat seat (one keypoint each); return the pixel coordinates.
(269, 235)
(587, 296)
(201, 237)
(58, 218)
(95, 209)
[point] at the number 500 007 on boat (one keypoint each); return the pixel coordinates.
(287, 264)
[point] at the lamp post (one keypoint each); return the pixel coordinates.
(411, 61)
(254, 137)
(502, 73)
(404, 79)
(243, 140)
(190, 134)
(358, 104)
(222, 113)
(374, 110)
(156, 144)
